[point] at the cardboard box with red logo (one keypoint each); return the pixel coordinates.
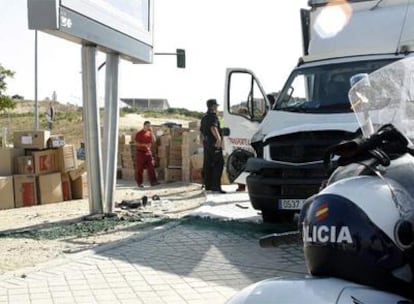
(25, 191)
(66, 187)
(45, 161)
(24, 165)
(196, 176)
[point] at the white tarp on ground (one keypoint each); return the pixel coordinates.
(231, 206)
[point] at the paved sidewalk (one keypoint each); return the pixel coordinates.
(177, 263)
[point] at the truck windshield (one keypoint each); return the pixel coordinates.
(324, 88)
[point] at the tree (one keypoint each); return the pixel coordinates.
(5, 101)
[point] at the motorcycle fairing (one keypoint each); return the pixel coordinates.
(283, 290)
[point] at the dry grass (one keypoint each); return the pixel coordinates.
(68, 120)
(69, 123)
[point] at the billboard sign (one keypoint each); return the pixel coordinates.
(123, 27)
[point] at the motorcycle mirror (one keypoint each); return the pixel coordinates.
(359, 77)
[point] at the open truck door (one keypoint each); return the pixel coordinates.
(245, 106)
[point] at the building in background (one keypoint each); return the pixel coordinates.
(154, 104)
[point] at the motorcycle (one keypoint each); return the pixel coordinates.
(358, 231)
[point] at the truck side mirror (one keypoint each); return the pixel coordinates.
(272, 99)
(180, 58)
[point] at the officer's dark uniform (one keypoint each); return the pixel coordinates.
(213, 161)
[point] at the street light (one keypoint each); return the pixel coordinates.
(36, 110)
(180, 53)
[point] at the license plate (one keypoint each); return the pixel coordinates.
(291, 204)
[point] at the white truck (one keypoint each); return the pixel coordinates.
(275, 142)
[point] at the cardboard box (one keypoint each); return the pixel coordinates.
(66, 187)
(55, 141)
(124, 139)
(194, 125)
(80, 187)
(25, 191)
(128, 174)
(24, 165)
(176, 141)
(31, 139)
(6, 192)
(191, 142)
(162, 162)
(174, 163)
(197, 161)
(196, 176)
(177, 132)
(67, 158)
(50, 188)
(76, 173)
(45, 161)
(7, 160)
(162, 151)
(173, 174)
(165, 140)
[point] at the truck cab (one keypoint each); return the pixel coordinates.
(284, 134)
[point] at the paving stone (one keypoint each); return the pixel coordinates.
(186, 264)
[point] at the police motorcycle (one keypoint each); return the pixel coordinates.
(358, 231)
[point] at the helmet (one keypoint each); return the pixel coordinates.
(350, 231)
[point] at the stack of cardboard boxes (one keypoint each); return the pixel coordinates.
(191, 149)
(39, 169)
(173, 153)
(173, 172)
(126, 156)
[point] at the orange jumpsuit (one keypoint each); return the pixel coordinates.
(144, 158)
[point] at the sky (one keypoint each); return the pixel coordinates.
(261, 35)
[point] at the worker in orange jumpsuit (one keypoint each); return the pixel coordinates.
(143, 157)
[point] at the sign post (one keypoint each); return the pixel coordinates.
(111, 125)
(121, 29)
(91, 129)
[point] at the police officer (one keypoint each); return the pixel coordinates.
(213, 161)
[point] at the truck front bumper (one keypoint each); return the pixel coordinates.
(282, 187)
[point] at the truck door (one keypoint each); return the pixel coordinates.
(245, 106)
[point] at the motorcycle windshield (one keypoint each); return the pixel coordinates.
(385, 96)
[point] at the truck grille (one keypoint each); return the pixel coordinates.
(301, 190)
(305, 147)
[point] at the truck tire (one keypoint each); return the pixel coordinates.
(236, 162)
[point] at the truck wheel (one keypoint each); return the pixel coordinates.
(277, 217)
(236, 162)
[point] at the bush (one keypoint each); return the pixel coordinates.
(169, 113)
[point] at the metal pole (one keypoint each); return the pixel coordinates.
(36, 106)
(110, 138)
(91, 129)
